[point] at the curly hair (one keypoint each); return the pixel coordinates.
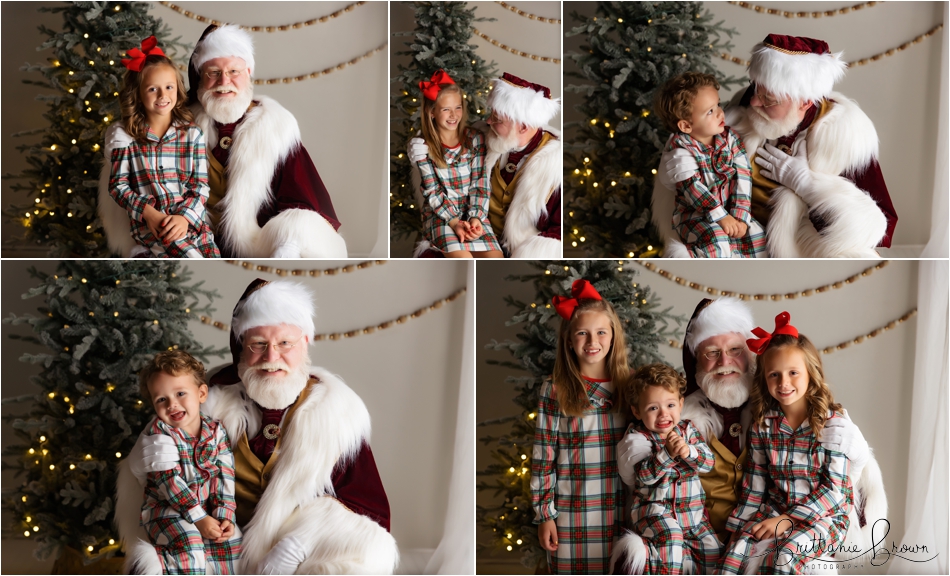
(571, 392)
(430, 131)
(818, 396)
(674, 101)
(173, 363)
(653, 375)
(134, 119)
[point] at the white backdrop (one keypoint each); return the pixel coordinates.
(518, 32)
(901, 93)
(408, 376)
(873, 380)
(343, 116)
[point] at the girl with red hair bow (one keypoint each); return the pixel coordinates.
(793, 490)
(455, 182)
(576, 491)
(159, 170)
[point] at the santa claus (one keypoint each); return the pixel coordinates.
(267, 199)
(309, 496)
(719, 368)
(816, 179)
(524, 158)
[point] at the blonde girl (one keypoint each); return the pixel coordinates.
(454, 180)
(159, 169)
(576, 491)
(793, 490)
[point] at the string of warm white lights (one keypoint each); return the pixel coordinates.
(847, 343)
(862, 61)
(314, 272)
(774, 297)
(528, 15)
(788, 14)
(282, 28)
(359, 331)
(514, 51)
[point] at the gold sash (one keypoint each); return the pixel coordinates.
(502, 194)
(218, 182)
(723, 485)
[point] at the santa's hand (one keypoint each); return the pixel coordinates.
(152, 453)
(842, 435)
(283, 558)
(676, 165)
(418, 150)
(792, 172)
(630, 451)
(288, 249)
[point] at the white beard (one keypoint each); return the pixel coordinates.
(226, 110)
(772, 129)
(274, 392)
(728, 394)
(500, 145)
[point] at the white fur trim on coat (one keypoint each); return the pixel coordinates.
(801, 77)
(538, 247)
(114, 218)
(522, 104)
(266, 137)
(722, 316)
(278, 302)
(631, 545)
(227, 41)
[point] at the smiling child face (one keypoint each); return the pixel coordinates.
(659, 409)
(177, 401)
(158, 90)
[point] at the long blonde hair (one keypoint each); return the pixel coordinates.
(134, 119)
(430, 132)
(570, 390)
(818, 396)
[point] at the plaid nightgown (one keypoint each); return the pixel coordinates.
(460, 190)
(575, 480)
(201, 485)
(722, 187)
(171, 174)
(789, 472)
(669, 511)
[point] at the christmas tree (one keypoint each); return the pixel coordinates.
(441, 37)
(646, 326)
(634, 48)
(102, 321)
(61, 182)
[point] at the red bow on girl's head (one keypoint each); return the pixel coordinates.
(431, 88)
(782, 326)
(580, 290)
(137, 60)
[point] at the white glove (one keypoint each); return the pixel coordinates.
(417, 150)
(152, 453)
(115, 137)
(283, 558)
(630, 451)
(842, 435)
(288, 249)
(792, 172)
(675, 166)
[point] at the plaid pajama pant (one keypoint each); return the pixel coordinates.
(722, 187)
(460, 190)
(669, 513)
(182, 550)
(575, 480)
(170, 174)
(789, 472)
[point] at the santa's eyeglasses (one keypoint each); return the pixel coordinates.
(282, 347)
(765, 97)
(217, 74)
(733, 352)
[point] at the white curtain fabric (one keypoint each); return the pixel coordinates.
(456, 551)
(939, 244)
(929, 452)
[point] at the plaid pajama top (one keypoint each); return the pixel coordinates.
(171, 174)
(201, 484)
(790, 472)
(671, 486)
(575, 479)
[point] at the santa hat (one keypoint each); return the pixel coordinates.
(267, 304)
(795, 67)
(227, 41)
(522, 101)
(712, 318)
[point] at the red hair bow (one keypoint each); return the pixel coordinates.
(580, 290)
(431, 88)
(782, 326)
(137, 60)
